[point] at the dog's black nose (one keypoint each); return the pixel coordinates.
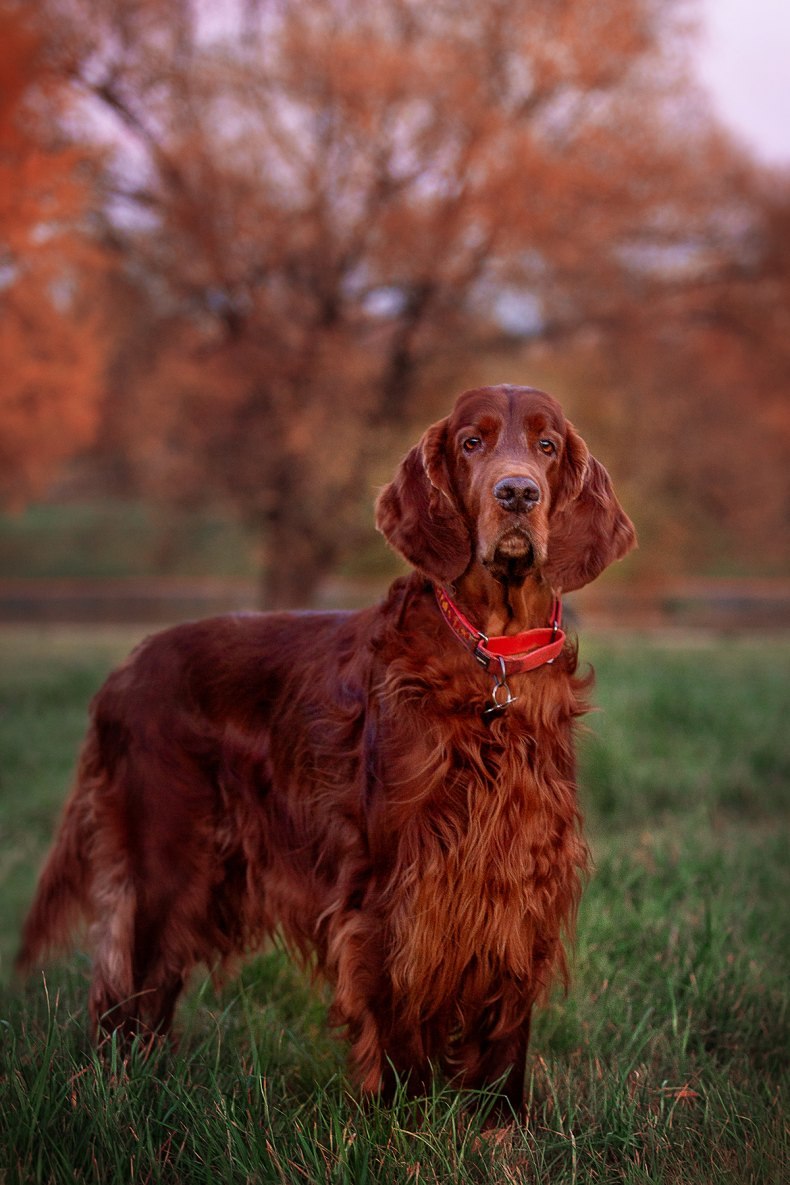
(518, 494)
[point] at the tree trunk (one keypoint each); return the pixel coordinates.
(294, 563)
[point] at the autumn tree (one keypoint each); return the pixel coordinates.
(51, 340)
(689, 390)
(326, 206)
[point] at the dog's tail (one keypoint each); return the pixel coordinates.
(63, 894)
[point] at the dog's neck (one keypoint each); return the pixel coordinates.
(496, 608)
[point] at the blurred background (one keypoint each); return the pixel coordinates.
(250, 248)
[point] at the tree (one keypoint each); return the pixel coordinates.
(50, 339)
(323, 201)
(695, 415)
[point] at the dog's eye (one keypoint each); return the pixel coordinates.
(471, 444)
(548, 447)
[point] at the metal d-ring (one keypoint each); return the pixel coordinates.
(501, 695)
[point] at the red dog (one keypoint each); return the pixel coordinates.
(392, 791)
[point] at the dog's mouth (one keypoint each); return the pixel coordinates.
(514, 544)
(513, 557)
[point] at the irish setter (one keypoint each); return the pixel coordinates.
(391, 791)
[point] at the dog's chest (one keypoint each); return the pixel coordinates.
(486, 863)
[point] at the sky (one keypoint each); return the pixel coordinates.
(744, 60)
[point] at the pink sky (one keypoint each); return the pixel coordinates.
(744, 59)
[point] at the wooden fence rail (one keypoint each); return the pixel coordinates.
(688, 603)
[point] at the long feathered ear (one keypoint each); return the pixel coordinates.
(573, 475)
(417, 512)
(586, 532)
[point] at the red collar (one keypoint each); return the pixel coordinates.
(511, 653)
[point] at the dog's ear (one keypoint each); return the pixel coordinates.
(418, 515)
(573, 468)
(588, 528)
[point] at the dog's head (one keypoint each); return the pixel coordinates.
(505, 481)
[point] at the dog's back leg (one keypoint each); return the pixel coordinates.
(134, 991)
(158, 871)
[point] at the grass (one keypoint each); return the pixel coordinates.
(116, 538)
(668, 1062)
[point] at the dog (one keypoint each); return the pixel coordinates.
(391, 792)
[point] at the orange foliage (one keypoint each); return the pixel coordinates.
(50, 342)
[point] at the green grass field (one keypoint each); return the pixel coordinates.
(668, 1062)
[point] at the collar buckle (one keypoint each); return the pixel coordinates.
(480, 654)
